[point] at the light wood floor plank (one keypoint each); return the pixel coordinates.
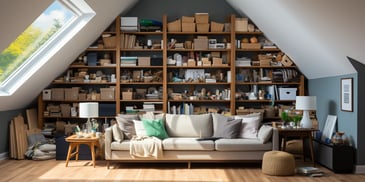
(53, 170)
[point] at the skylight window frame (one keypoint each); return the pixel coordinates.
(83, 13)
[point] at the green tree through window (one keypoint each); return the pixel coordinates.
(32, 39)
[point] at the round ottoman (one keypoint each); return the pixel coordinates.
(278, 163)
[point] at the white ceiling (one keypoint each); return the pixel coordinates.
(317, 34)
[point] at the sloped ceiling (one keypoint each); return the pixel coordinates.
(18, 14)
(317, 34)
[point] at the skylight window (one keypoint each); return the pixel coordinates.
(40, 41)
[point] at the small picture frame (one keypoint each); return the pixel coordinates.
(347, 94)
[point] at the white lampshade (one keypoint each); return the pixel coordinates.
(306, 103)
(88, 109)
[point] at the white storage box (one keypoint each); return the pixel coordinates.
(287, 93)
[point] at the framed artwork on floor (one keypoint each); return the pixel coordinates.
(346, 94)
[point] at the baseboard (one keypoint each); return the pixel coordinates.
(359, 169)
(4, 156)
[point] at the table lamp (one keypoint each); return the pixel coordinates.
(88, 110)
(306, 103)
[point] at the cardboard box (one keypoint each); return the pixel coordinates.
(127, 95)
(58, 93)
(144, 61)
(191, 62)
(174, 26)
(202, 27)
(216, 27)
(241, 24)
(72, 93)
(287, 93)
(109, 42)
(187, 19)
(107, 93)
(217, 61)
(201, 18)
(188, 27)
(82, 96)
(200, 44)
(65, 110)
(250, 45)
(47, 94)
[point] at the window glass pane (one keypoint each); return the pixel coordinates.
(33, 38)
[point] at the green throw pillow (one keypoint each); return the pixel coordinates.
(155, 128)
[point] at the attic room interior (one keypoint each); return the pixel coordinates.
(194, 90)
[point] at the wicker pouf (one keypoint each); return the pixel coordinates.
(278, 163)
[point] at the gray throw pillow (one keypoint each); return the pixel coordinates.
(126, 124)
(228, 129)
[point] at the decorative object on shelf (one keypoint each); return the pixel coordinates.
(306, 103)
(328, 128)
(89, 110)
(339, 138)
(346, 94)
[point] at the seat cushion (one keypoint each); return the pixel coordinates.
(241, 144)
(189, 125)
(187, 144)
(124, 145)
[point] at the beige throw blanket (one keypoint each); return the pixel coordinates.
(146, 147)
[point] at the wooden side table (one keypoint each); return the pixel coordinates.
(75, 142)
(302, 133)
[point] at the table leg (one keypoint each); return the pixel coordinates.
(284, 143)
(68, 153)
(311, 149)
(303, 149)
(77, 151)
(92, 149)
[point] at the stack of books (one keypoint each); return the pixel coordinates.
(309, 171)
(128, 61)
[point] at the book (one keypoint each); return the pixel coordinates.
(307, 170)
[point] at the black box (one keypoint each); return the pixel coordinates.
(107, 109)
(62, 148)
(92, 58)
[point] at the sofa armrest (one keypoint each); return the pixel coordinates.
(108, 142)
(275, 139)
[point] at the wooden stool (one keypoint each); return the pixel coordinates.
(278, 163)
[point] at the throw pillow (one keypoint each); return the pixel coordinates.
(219, 118)
(152, 116)
(36, 138)
(155, 128)
(139, 128)
(265, 133)
(125, 123)
(250, 124)
(228, 129)
(117, 133)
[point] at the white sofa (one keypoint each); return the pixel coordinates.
(182, 144)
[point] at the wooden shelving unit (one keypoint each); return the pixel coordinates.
(165, 86)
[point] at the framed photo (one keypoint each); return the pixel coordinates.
(346, 94)
(328, 128)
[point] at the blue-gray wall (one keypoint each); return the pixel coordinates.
(328, 95)
(6, 117)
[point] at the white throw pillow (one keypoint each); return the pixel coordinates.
(138, 126)
(189, 125)
(117, 133)
(265, 133)
(250, 124)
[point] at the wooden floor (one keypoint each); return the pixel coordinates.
(55, 170)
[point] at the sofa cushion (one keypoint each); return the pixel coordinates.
(265, 133)
(219, 118)
(124, 145)
(187, 144)
(241, 144)
(152, 115)
(139, 128)
(125, 122)
(117, 133)
(155, 128)
(189, 125)
(250, 124)
(228, 129)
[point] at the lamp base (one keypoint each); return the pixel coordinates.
(306, 122)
